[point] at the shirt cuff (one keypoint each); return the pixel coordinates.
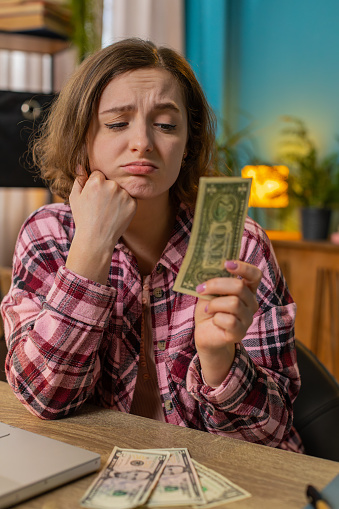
(80, 298)
(240, 375)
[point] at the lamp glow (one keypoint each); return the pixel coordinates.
(269, 185)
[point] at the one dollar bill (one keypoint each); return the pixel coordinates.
(217, 489)
(127, 480)
(217, 231)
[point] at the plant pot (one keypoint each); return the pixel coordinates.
(315, 223)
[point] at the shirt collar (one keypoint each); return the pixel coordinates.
(176, 247)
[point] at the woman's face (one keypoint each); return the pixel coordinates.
(139, 134)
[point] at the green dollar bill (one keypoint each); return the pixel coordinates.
(217, 231)
(127, 479)
(217, 488)
(179, 482)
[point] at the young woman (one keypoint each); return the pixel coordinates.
(91, 314)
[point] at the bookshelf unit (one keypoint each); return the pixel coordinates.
(63, 61)
(62, 53)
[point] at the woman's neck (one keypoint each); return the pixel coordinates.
(149, 231)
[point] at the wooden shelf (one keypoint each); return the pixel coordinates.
(32, 43)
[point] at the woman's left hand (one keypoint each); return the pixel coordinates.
(224, 320)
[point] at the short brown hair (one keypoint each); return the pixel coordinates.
(61, 144)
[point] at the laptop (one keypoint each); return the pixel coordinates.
(31, 464)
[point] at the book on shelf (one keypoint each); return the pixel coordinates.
(64, 4)
(35, 16)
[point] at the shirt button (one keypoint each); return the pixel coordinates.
(144, 300)
(168, 405)
(162, 345)
(146, 376)
(146, 287)
(160, 268)
(158, 293)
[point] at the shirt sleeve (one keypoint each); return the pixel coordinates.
(54, 323)
(255, 401)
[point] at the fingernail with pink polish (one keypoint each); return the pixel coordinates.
(206, 308)
(231, 265)
(200, 288)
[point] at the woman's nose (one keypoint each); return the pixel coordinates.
(141, 139)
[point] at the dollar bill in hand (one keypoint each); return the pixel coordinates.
(217, 231)
(217, 488)
(127, 479)
(179, 483)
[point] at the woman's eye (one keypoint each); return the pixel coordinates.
(117, 125)
(166, 127)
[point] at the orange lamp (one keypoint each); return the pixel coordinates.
(269, 185)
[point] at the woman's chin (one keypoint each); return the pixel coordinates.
(139, 191)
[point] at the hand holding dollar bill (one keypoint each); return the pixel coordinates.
(217, 231)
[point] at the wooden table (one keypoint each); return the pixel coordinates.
(275, 478)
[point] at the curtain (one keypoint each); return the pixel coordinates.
(161, 21)
(208, 31)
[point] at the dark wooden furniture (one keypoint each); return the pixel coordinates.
(312, 273)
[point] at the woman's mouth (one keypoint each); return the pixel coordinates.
(139, 168)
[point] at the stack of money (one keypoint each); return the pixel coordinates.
(158, 478)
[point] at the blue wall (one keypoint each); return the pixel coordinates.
(289, 61)
(206, 46)
(261, 59)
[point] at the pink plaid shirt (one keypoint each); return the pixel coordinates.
(72, 340)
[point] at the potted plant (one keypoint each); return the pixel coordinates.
(86, 26)
(233, 150)
(313, 182)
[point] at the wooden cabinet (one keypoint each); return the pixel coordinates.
(311, 270)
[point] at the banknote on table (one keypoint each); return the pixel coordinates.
(217, 489)
(217, 231)
(179, 483)
(127, 479)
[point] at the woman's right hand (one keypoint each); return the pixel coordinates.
(102, 211)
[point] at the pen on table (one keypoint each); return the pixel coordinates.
(316, 498)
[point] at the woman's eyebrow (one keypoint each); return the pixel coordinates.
(129, 107)
(118, 109)
(167, 106)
